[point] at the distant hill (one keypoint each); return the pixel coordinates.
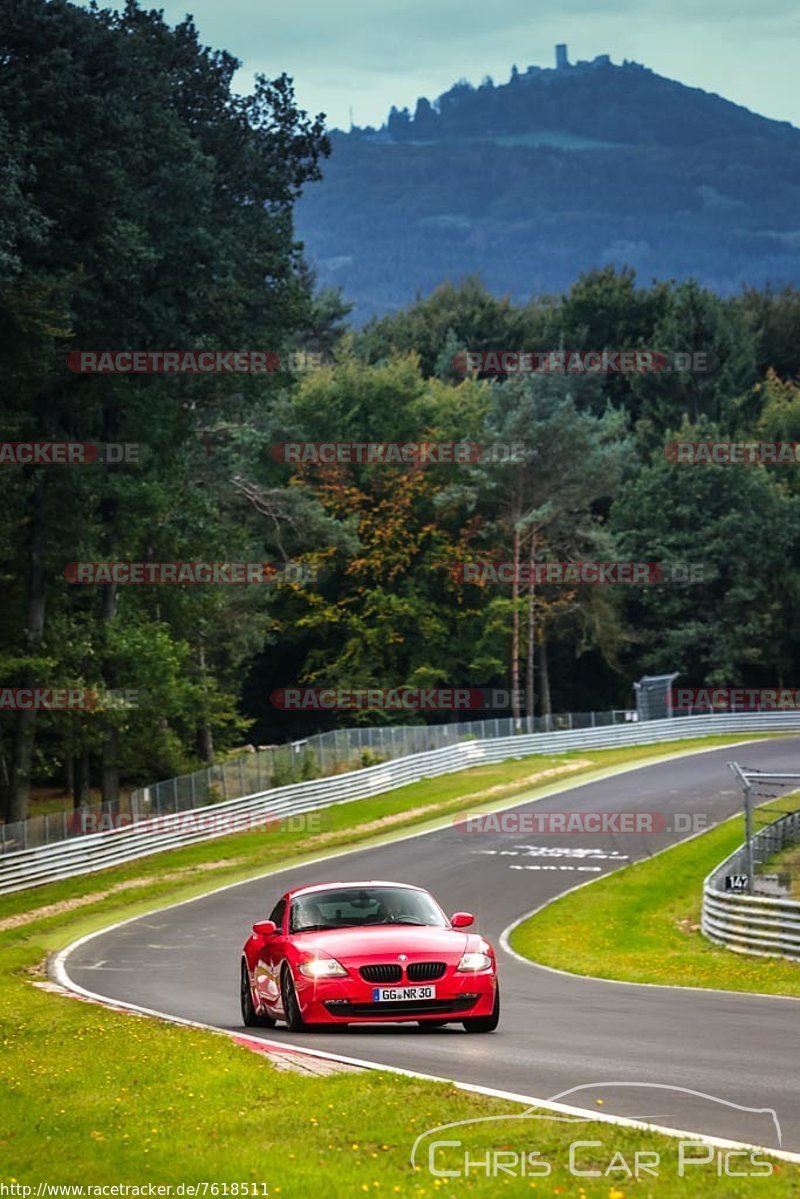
(558, 170)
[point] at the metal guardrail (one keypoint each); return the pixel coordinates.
(768, 926)
(255, 770)
(150, 835)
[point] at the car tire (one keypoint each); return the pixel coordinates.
(250, 1017)
(485, 1023)
(291, 1008)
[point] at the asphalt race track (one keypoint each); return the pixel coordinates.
(557, 1032)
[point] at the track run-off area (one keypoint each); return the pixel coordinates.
(714, 1063)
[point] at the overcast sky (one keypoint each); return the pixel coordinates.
(370, 54)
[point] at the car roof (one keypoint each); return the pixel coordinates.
(372, 882)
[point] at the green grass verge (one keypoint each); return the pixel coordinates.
(642, 924)
(91, 1096)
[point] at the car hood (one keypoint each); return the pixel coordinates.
(382, 941)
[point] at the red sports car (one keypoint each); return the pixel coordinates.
(341, 953)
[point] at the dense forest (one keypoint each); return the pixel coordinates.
(183, 239)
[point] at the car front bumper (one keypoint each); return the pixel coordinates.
(345, 1000)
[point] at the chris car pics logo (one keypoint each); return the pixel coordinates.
(477, 1148)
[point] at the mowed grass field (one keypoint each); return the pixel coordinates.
(91, 1096)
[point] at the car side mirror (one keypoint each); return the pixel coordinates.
(462, 919)
(265, 928)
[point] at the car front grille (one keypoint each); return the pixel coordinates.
(386, 972)
(425, 971)
(400, 1007)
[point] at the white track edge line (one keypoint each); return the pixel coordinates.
(58, 964)
(473, 1088)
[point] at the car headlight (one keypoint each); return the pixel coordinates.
(322, 968)
(474, 961)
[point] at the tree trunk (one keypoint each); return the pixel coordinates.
(84, 779)
(109, 776)
(205, 737)
(515, 705)
(530, 698)
(18, 794)
(544, 676)
(110, 773)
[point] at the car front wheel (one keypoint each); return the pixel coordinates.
(485, 1023)
(250, 1017)
(291, 1008)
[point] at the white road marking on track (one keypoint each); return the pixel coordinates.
(592, 869)
(553, 851)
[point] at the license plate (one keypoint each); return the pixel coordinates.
(389, 994)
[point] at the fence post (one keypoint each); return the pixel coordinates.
(242, 787)
(175, 793)
(193, 790)
(748, 832)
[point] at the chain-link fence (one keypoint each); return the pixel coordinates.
(775, 834)
(266, 767)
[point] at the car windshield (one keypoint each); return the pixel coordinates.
(347, 907)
